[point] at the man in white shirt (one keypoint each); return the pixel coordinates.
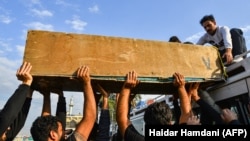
(230, 43)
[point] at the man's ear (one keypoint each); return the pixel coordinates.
(53, 135)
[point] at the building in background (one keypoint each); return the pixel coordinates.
(71, 119)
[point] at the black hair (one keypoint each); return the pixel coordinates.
(41, 127)
(188, 42)
(207, 18)
(174, 39)
(158, 113)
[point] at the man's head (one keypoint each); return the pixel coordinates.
(158, 113)
(209, 24)
(174, 39)
(46, 128)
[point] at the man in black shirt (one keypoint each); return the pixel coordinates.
(50, 128)
(15, 111)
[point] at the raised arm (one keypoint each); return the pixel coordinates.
(46, 110)
(211, 113)
(105, 96)
(185, 102)
(89, 108)
(15, 103)
(104, 121)
(61, 106)
(123, 102)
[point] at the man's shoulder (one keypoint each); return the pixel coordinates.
(132, 134)
(221, 28)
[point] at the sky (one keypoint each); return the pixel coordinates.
(142, 19)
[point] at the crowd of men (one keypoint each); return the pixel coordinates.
(48, 127)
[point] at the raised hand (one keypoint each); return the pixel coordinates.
(23, 73)
(83, 74)
(179, 80)
(131, 80)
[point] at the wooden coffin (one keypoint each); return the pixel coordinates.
(55, 57)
